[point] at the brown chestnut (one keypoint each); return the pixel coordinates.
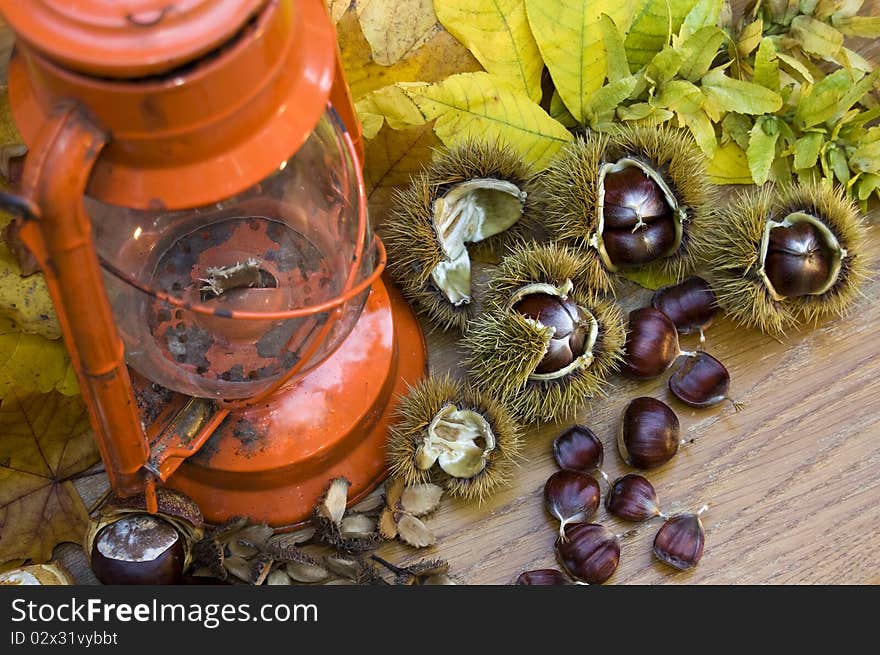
(679, 541)
(571, 496)
(138, 549)
(589, 552)
(651, 344)
(691, 304)
(542, 577)
(632, 498)
(565, 317)
(798, 261)
(701, 381)
(649, 433)
(579, 449)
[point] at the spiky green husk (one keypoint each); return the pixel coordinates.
(568, 191)
(408, 233)
(503, 348)
(733, 251)
(415, 413)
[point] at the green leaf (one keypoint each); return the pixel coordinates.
(727, 94)
(649, 278)
(704, 14)
(680, 96)
(837, 163)
(822, 102)
(864, 26)
(653, 24)
(738, 127)
(854, 94)
(636, 112)
(664, 66)
(868, 184)
(766, 66)
(570, 41)
(497, 33)
(559, 112)
(795, 64)
(866, 158)
(762, 148)
(615, 51)
(807, 148)
(480, 105)
(702, 130)
(816, 37)
(729, 166)
(749, 37)
(606, 99)
(699, 51)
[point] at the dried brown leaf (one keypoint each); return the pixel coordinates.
(415, 533)
(421, 499)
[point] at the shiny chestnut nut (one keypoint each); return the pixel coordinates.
(679, 541)
(798, 259)
(651, 344)
(691, 304)
(649, 433)
(632, 498)
(701, 381)
(572, 329)
(579, 449)
(638, 223)
(588, 552)
(571, 496)
(138, 549)
(542, 577)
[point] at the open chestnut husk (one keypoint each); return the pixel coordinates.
(578, 449)
(679, 541)
(544, 343)
(127, 545)
(543, 577)
(691, 304)
(456, 436)
(571, 497)
(651, 344)
(51, 574)
(632, 199)
(475, 192)
(701, 381)
(632, 497)
(649, 433)
(589, 552)
(787, 256)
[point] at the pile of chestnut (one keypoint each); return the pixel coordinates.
(649, 436)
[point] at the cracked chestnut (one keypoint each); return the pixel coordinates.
(649, 433)
(138, 549)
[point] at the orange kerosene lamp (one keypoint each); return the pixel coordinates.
(193, 193)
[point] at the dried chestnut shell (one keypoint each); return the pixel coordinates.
(567, 344)
(701, 381)
(542, 577)
(679, 541)
(798, 262)
(632, 498)
(578, 449)
(138, 549)
(589, 552)
(651, 344)
(571, 496)
(649, 433)
(691, 304)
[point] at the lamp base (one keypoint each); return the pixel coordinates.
(272, 462)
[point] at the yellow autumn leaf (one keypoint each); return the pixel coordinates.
(436, 59)
(25, 300)
(497, 33)
(396, 28)
(32, 363)
(479, 105)
(730, 165)
(337, 8)
(653, 24)
(392, 104)
(570, 41)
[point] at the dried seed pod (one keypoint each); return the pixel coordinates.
(679, 541)
(332, 504)
(649, 433)
(691, 305)
(475, 192)
(542, 577)
(578, 449)
(138, 549)
(415, 533)
(632, 498)
(307, 571)
(571, 496)
(457, 436)
(633, 199)
(49, 574)
(357, 525)
(421, 499)
(787, 256)
(545, 343)
(651, 344)
(701, 381)
(589, 552)
(278, 578)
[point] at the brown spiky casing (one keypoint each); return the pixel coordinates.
(734, 236)
(408, 233)
(567, 192)
(415, 413)
(503, 348)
